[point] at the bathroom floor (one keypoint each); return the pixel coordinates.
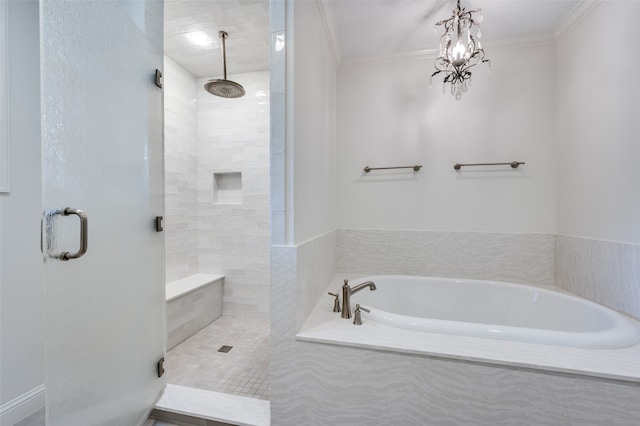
(243, 370)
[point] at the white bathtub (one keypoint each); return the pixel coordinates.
(493, 310)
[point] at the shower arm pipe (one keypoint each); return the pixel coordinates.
(223, 36)
(415, 168)
(513, 164)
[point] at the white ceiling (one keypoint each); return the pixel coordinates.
(363, 27)
(246, 22)
(368, 27)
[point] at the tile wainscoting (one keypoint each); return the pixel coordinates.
(510, 257)
(605, 272)
(299, 276)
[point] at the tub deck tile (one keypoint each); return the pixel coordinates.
(325, 326)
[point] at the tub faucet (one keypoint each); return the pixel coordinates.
(346, 295)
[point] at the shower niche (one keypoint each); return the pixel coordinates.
(227, 188)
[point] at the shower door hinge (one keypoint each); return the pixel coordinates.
(161, 367)
(158, 78)
(159, 226)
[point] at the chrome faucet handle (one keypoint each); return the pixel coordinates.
(357, 316)
(336, 302)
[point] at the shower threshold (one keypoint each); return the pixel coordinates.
(179, 403)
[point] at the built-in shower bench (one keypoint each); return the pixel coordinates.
(192, 303)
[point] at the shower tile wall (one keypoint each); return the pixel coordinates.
(205, 134)
(233, 239)
(181, 174)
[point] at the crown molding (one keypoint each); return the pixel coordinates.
(573, 18)
(330, 28)
(359, 60)
(519, 42)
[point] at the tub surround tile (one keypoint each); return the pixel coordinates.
(316, 266)
(325, 326)
(299, 278)
(336, 385)
(215, 406)
(602, 271)
(520, 258)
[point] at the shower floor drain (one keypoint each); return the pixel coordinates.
(225, 348)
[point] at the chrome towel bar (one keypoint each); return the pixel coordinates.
(415, 168)
(513, 164)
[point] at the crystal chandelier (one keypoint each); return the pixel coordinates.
(455, 60)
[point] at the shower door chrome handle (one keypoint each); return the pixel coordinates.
(84, 228)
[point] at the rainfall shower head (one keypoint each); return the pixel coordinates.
(223, 87)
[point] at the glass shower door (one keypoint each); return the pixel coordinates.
(102, 159)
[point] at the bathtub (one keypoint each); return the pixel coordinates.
(493, 310)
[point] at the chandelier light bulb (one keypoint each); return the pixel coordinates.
(458, 54)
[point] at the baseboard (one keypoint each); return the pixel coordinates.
(22, 407)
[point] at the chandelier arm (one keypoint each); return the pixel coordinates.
(469, 66)
(466, 16)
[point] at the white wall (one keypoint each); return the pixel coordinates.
(598, 99)
(598, 126)
(21, 289)
(181, 171)
(312, 111)
(388, 116)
